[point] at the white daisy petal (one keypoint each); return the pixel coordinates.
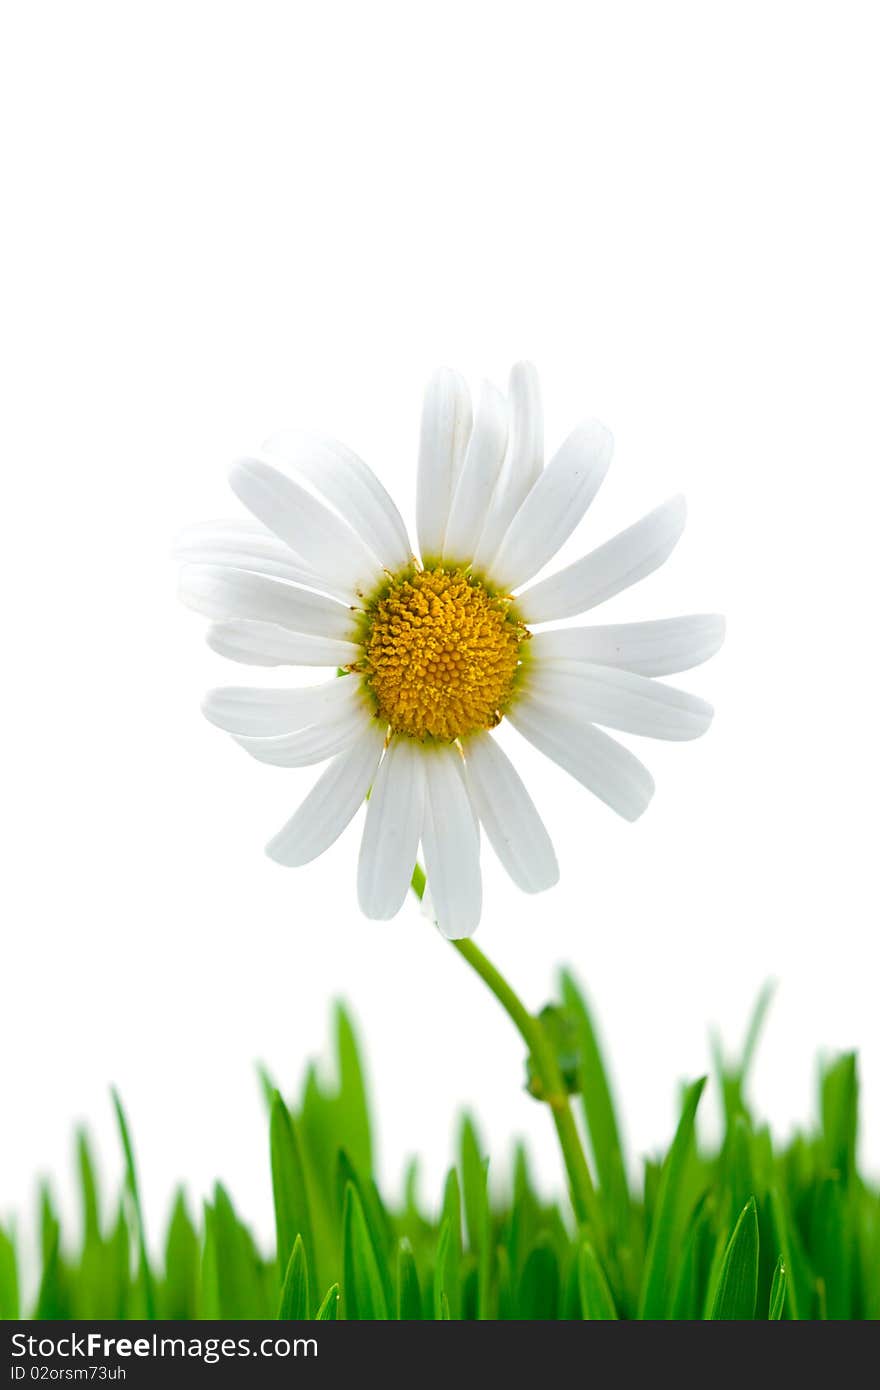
(330, 805)
(606, 571)
(620, 699)
(390, 843)
(651, 649)
(527, 425)
(523, 464)
(222, 594)
(554, 506)
(264, 713)
(242, 545)
(267, 644)
(446, 428)
(479, 474)
(426, 906)
(346, 482)
(312, 745)
(515, 830)
(599, 762)
(326, 543)
(451, 841)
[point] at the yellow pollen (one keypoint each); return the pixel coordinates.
(441, 654)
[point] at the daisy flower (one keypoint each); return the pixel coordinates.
(432, 653)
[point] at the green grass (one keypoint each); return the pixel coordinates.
(747, 1230)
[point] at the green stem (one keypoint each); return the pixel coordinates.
(546, 1068)
(552, 1089)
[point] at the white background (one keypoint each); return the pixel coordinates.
(221, 220)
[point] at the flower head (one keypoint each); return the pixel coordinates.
(433, 653)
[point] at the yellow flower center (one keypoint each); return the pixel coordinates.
(441, 654)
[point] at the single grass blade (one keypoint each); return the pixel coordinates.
(599, 1109)
(831, 1245)
(149, 1287)
(375, 1215)
(289, 1187)
(754, 1030)
(296, 1304)
(89, 1286)
(736, 1292)
(239, 1286)
(475, 1182)
(450, 1218)
(738, 1179)
(660, 1260)
(733, 1080)
(540, 1284)
(267, 1085)
(239, 1272)
(179, 1299)
(209, 1298)
(10, 1305)
(506, 1306)
(51, 1298)
(440, 1295)
(329, 1306)
(355, 1136)
(777, 1292)
(839, 1105)
(692, 1277)
(785, 1243)
(118, 1292)
(409, 1294)
(597, 1303)
(363, 1285)
(88, 1188)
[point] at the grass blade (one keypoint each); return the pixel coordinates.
(688, 1295)
(441, 1297)
(540, 1284)
(375, 1216)
(209, 1298)
(736, 1293)
(785, 1243)
(296, 1303)
(473, 1174)
(10, 1306)
(668, 1213)
(754, 1031)
(451, 1221)
(149, 1288)
(409, 1295)
(597, 1303)
(289, 1189)
(180, 1289)
(598, 1109)
(777, 1292)
(839, 1102)
(267, 1085)
(362, 1283)
(88, 1188)
(239, 1286)
(830, 1245)
(329, 1306)
(354, 1126)
(475, 1180)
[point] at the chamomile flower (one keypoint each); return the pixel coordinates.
(434, 652)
